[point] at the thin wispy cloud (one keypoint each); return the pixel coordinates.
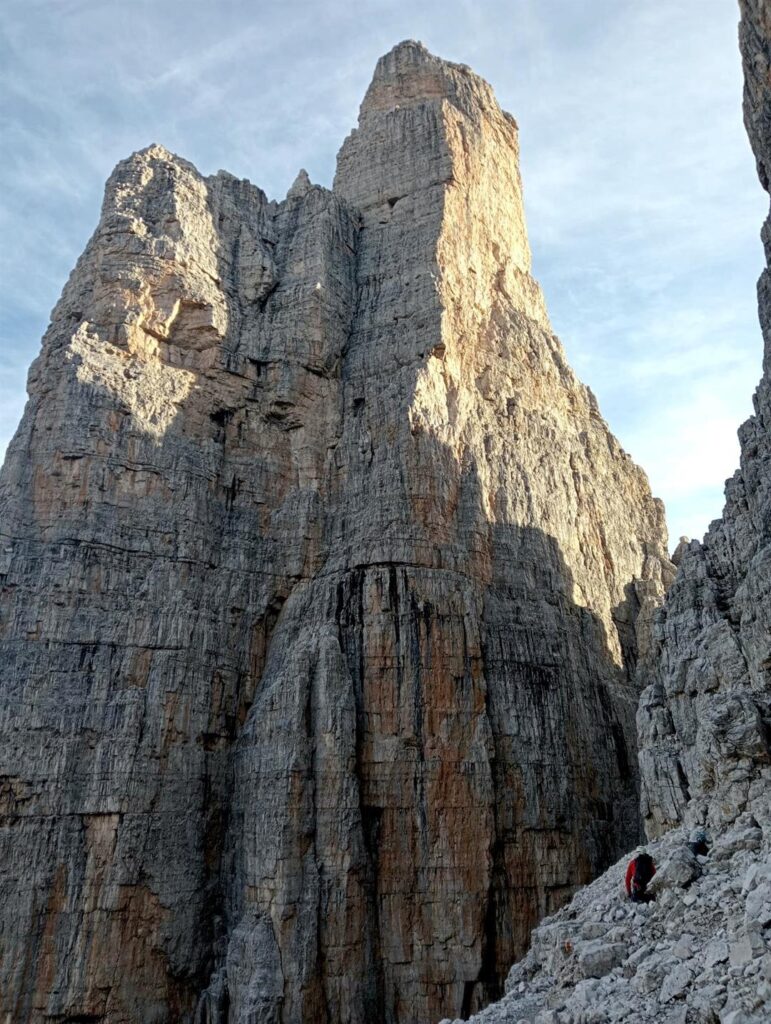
(642, 201)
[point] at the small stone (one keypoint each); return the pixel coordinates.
(758, 906)
(741, 951)
(596, 959)
(634, 960)
(649, 975)
(736, 1016)
(717, 953)
(585, 993)
(707, 999)
(679, 871)
(675, 983)
(547, 1017)
(683, 948)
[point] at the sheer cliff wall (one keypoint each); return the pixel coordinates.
(323, 584)
(705, 721)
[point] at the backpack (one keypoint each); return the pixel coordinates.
(643, 872)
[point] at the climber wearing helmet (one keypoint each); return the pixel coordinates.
(639, 873)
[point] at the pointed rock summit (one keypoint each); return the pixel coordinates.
(323, 586)
(300, 186)
(409, 74)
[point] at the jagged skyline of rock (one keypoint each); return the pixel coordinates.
(664, 182)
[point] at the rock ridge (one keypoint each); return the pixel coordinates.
(705, 721)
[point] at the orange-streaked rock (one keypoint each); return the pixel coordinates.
(323, 584)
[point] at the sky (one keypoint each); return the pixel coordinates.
(642, 201)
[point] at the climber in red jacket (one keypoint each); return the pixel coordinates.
(639, 873)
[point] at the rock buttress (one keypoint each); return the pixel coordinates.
(705, 720)
(323, 588)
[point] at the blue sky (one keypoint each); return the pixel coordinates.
(643, 205)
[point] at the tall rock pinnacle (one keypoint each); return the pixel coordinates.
(323, 584)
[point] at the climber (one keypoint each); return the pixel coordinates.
(639, 873)
(698, 843)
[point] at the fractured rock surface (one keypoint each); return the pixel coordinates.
(323, 584)
(705, 721)
(701, 954)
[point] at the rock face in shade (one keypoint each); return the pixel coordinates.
(323, 585)
(702, 951)
(705, 722)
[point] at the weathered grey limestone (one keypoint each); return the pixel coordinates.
(702, 951)
(323, 584)
(705, 721)
(700, 954)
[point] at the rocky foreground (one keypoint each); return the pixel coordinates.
(700, 953)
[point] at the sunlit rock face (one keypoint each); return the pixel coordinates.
(323, 586)
(705, 722)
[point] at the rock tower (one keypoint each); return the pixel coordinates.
(322, 587)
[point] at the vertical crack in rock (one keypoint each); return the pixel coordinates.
(323, 582)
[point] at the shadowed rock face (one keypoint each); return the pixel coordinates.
(705, 722)
(323, 585)
(702, 950)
